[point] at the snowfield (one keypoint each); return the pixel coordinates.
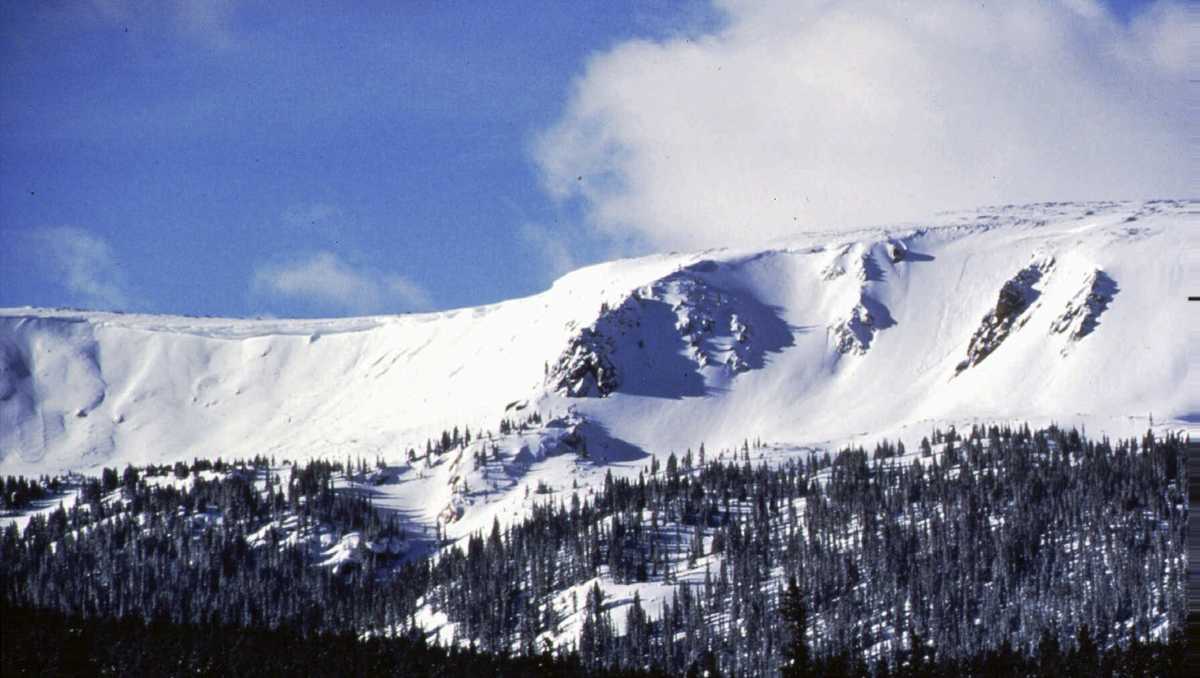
(815, 340)
(1065, 313)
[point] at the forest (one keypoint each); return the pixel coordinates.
(998, 551)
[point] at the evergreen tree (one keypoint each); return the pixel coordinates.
(794, 614)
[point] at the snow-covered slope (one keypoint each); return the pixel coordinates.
(1063, 311)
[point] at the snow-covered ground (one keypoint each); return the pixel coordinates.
(1068, 313)
(493, 478)
(815, 340)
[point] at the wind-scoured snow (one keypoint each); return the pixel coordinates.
(814, 340)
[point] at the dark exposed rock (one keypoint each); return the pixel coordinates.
(585, 370)
(1016, 296)
(666, 339)
(1083, 311)
(858, 330)
(853, 335)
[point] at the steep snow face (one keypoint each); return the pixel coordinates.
(1058, 312)
(880, 320)
(1017, 296)
(681, 336)
(82, 389)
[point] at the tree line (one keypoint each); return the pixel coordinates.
(1004, 547)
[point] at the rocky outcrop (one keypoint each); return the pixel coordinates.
(854, 334)
(1084, 309)
(1016, 297)
(704, 314)
(585, 369)
(836, 267)
(681, 324)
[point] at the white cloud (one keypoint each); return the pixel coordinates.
(324, 281)
(801, 115)
(84, 265)
(551, 247)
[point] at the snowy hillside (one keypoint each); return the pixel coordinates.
(612, 449)
(1060, 312)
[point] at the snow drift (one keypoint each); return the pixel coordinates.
(1052, 311)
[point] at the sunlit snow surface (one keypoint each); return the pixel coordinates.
(809, 344)
(843, 339)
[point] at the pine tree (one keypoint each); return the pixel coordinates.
(797, 662)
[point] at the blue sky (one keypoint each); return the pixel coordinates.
(305, 158)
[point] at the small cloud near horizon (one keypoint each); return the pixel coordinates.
(323, 281)
(552, 248)
(84, 265)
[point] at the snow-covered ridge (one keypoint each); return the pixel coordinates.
(813, 340)
(672, 338)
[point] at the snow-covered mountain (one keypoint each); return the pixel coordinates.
(1066, 312)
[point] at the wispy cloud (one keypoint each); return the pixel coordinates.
(801, 115)
(551, 247)
(84, 265)
(326, 283)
